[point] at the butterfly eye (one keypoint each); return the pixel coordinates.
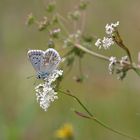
(38, 77)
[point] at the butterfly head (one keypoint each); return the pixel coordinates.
(38, 76)
(41, 75)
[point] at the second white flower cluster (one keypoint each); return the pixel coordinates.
(106, 42)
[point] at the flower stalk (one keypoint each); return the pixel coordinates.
(119, 42)
(92, 117)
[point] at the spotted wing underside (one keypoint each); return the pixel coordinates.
(50, 61)
(35, 57)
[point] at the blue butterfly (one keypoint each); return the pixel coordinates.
(44, 62)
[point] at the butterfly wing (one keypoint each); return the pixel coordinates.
(35, 57)
(50, 61)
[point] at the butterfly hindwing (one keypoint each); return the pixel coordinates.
(50, 60)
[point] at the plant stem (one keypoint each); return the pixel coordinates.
(130, 64)
(93, 117)
(91, 52)
(120, 43)
(82, 105)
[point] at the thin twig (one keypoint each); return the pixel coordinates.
(104, 125)
(106, 58)
(119, 42)
(92, 117)
(91, 52)
(83, 106)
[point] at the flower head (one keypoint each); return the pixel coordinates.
(53, 76)
(123, 60)
(98, 43)
(111, 28)
(107, 42)
(45, 93)
(112, 63)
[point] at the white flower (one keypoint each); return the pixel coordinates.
(57, 30)
(53, 76)
(123, 60)
(112, 63)
(98, 43)
(115, 24)
(107, 42)
(111, 28)
(113, 59)
(45, 95)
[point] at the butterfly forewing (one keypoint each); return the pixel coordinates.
(50, 61)
(35, 57)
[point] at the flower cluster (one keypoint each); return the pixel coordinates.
(106, 42)
(53, 76)
(72, 38)
(45, 95)
(109, 29)
(112, 64)
(44, 92)
(123, 60)
(120, 67)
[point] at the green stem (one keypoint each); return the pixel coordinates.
(82, 105)
(91, 52)
(120, 43)
(94, 118)
(130, 64)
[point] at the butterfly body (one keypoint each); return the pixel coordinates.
(44, 62)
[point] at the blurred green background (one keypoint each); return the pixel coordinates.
(115, 102)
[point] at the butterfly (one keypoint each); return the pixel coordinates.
(44, 62)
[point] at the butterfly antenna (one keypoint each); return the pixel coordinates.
(30, 76)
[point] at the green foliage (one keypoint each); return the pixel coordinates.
(51, 7)
(30, 19)
(42, 25)
(75, 15)
(83, 5)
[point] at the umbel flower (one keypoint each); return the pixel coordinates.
(120, 67)
(45, 93)
(106, 42)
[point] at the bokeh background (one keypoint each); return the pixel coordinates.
(115, 102)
